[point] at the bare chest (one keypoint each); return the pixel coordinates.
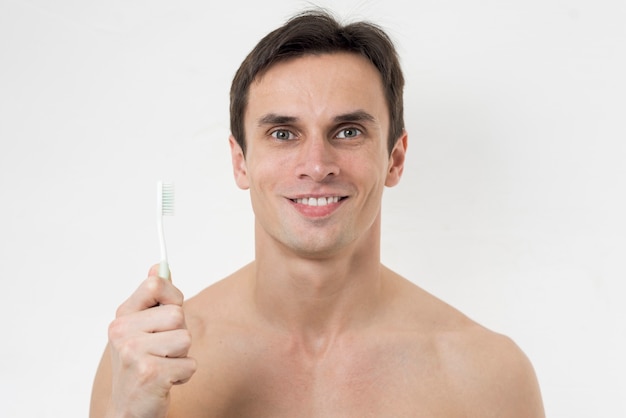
(349, 390)
(377, 380)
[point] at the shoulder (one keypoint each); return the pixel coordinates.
(486, 370)
(220, 303)
(491, 373)
(216, 318)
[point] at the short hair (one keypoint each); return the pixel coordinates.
(318, 32)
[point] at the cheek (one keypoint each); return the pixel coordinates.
(264, 176)
(271, 166)
(373, 167)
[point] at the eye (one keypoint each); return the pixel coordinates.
(283, 134)
(348, 133)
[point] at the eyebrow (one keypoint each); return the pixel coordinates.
(356, 116)
(274, 119)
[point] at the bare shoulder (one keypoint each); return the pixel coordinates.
(488, 371)
(219, 303)
(491, 372)
(220, 336)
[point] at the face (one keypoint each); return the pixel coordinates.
(317, 161)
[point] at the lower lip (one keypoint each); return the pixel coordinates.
(316, 211)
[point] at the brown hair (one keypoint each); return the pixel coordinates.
(317, 32)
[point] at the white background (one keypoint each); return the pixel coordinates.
(511, 208)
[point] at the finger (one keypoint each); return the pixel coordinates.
(176, 371)
(158, 319)
(164, 372)
(152, 291)
(185, 368)
(135, 352)
(156, 270)
(169, 344)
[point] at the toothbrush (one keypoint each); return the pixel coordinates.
(165, 207)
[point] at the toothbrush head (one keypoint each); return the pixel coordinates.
(165, 194)
(165, 207)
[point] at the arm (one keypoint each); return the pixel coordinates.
(502, 382)
(146, 354)
(518, 390)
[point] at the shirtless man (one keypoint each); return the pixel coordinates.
(315, 326)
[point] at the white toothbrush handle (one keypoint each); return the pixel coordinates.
(164, 270)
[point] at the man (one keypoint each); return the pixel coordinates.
(315, 326)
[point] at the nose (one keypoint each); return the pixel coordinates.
(317, 159)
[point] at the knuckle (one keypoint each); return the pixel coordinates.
(123, 309)
(172, 317)
(154, 285)
(147, 370)
(190, 368)
(120, 311)
(176, 316)
(117, 329)
(193, 365)
(181, 343)
(128, 351)
(185, 339)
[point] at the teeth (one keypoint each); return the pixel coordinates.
(320, 201)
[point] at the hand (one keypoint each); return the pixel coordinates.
(149, 342)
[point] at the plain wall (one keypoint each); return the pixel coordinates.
(511, 207)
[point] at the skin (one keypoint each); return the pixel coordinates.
(315, 326)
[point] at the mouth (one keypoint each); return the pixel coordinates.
(318, 201)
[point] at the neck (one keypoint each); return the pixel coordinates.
(316, 298)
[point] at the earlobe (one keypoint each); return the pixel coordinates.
(396, 161)
(239, 164)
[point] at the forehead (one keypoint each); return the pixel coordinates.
(316, 85)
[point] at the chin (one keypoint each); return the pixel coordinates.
(318, 248)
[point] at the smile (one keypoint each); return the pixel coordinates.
(318, 201)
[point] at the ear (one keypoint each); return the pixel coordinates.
(239, 164)
(396, 161)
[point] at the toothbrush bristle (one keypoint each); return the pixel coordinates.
(167, 198)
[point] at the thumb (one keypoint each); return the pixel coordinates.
(162, 270)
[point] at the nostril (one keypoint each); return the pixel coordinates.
(317, 160)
